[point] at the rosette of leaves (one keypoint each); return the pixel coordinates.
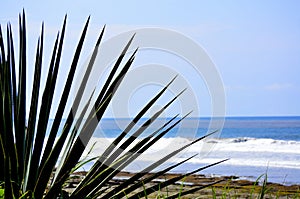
(37, 165)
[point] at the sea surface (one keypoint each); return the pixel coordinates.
(254, 146)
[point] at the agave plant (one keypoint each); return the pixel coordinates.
(35, 167)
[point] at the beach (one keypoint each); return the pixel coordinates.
(230, 187)
(253, 147)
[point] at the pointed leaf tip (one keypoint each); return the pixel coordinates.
(181, 92)
(187, 114)
(23, 13)
(137, 48)
(130, 41)
(65, 21)
(101, 35)
(172, 81)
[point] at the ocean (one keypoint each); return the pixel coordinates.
(254, 146)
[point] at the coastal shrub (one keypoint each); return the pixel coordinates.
(36, 164)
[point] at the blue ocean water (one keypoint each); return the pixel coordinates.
(255, 145)
(277, 128)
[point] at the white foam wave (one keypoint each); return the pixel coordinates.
(241, 151)
(256, 145)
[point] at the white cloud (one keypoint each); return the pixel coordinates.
(238, 88)
(278, 86)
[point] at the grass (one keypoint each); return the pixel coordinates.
(259, 190)
(231, 190)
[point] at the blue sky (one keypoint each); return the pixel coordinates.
(254, 44)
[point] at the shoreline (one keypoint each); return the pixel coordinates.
(231, 186)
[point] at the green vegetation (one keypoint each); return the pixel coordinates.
(258, 190)
(232, 189)
(28, 170)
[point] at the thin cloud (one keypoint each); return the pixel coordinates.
(278, 86)
(238, 88)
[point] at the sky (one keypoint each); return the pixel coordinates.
(254, 45)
